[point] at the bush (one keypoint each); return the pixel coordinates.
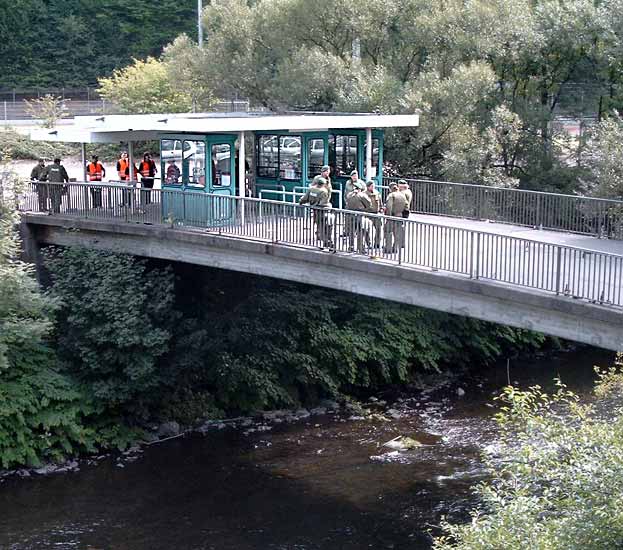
(114, 324)
(558, 478)
(18, 146)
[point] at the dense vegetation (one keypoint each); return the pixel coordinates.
(72, 43)
(491, 78)
(557, 474)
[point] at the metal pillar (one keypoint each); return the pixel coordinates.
(199, 27)
(242, 173)
(368, 154)
(83, 155)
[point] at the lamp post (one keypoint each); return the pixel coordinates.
(199, 28)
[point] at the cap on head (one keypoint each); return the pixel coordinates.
(360, 185)
(57, 161)
(369, 183)
(321, 181)
(325, 168)
(402, 182)
(393, 186)
(354, 173)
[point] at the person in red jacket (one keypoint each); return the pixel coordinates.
(147, 169)
(96, 172)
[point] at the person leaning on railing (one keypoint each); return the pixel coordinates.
(318, 196)
(394, 206)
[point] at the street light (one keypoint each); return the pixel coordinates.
(199, 29)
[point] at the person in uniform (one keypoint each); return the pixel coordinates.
(37, 178)
(318, 196)
(357, 201)
(324, 173)
(375, 208)
(403, 187)
(56, 174)
(394, 206)
(123, 172)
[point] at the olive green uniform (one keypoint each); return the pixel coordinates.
(409, 196)
(318, 197)
(358, 201)
(375, 208)
(37, 175)
(394, 233)
(328, 185)
(56, 174)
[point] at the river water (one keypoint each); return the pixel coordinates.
(324, 482)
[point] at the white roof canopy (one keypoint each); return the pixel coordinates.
(116, 128)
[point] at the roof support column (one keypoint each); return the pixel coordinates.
(242, 175)
(83, 154)
(368, 154)
(131, 161)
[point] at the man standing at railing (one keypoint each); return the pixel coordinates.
(147, 169)
(37, 177)
(318, 196)
(123, 173)
(403, 187)
(394, 206)
(324, 174)
(95, 173)
(374, 208)
(56, 174)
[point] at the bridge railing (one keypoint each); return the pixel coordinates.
(585, 215)
(563, 270)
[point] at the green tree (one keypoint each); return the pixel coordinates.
(115, 323)
(558, 477)
(145, 87)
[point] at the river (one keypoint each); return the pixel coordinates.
(324, 482)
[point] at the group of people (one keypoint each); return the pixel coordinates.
(56, 173)
(360, 197)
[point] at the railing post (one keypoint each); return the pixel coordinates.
(402, 245)
(537, 220)
(471, 255)
(477, 273)
(558, 265)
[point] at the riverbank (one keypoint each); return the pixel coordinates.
(285, 479)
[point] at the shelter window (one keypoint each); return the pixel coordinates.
(342, 154)
(290, 157)
(268, 156)
(194, 159)
(315, 156)
(221, 165)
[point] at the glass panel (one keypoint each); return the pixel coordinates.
(268, 156)
(171, 148)
(315, 156)
(290, 157)
(345, 150)
(195, 159)
(172, 173)
(221, 165)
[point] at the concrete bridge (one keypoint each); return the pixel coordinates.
(558, 283)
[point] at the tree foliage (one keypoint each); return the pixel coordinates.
(557, 477)
(113, 325)
(71, 43)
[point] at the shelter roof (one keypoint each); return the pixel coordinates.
(116, 128)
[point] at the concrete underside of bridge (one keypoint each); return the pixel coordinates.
(518, 307)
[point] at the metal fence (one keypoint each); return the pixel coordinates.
(588, 216)
(562, 270)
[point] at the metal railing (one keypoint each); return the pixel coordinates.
(585, 215)
(563, 270)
